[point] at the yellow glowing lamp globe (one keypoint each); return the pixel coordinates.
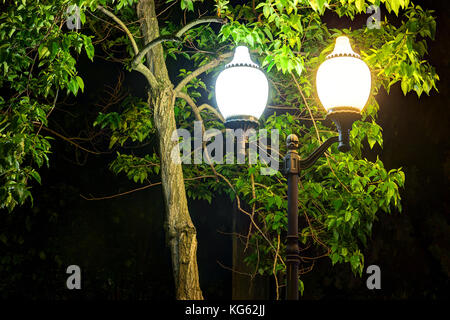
(343, 84)
(343, 80)
(241, 90)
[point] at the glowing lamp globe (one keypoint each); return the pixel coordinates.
(242, 91)
(343, 79)
(343, 84)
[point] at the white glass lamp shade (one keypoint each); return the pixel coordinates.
(343, 80)
(242, 88)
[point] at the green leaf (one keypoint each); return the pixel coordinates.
(404, 86)
(351, 166)
(187, 4)
(354, 261)
(36, 176)
(54, 49)
(42, 255)
(113, 140)
(250, 40)
(82, 17)
(359, 5)
(371, 141)
(278, 202)
(80, 83)
(348, 216)
(395, 5)
(317, 5)
(89, 47)
(266, 11)
(334, 258)
(301, 287)
(43, 51)
(190, 5)
(73, 86)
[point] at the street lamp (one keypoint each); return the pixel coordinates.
(242, 91)
(343, 84)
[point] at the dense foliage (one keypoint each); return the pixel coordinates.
(37, 61)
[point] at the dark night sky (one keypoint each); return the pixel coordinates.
(122, 240)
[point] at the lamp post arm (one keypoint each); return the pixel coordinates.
(308, 162)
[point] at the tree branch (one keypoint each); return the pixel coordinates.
(138, 67)
(198, 116)
(124, 27)
(199, 21)
(138, 58)
(123, 193)
(191, 103)
(136, 62)
(36, 123)
(141, 188)
(213, 110)
(212, 64)
(147, 74)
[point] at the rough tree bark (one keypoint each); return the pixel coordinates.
(181, 234)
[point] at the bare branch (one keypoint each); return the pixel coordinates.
(282, 107)
(307, 106)
(274, 272)
(212, 64)
(238, 202)
(252, 180)
(233, 270)
(141, 188)
(123, 193)
(51, 110)
(63, 137)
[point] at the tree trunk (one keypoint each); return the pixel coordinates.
(181, 234)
